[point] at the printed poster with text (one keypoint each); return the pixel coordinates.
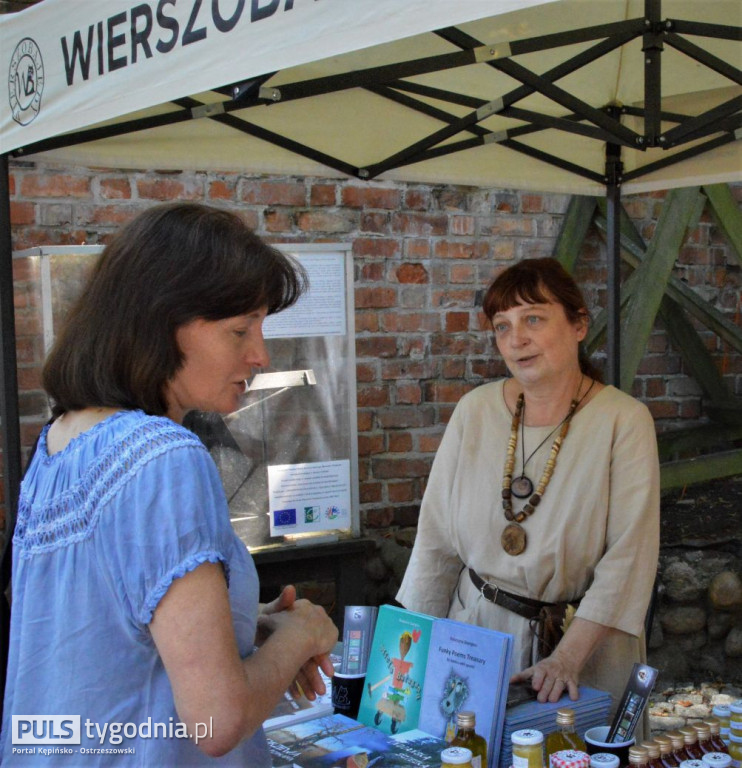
(309, 498)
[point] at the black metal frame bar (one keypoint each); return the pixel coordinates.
(652, 49)
(9, 411)
(614, 173)
(277, 139)
(708, 120)
(414, 152)
(677, 157)
(702, 56)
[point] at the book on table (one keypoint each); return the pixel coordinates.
(335, 740)
(423, 670)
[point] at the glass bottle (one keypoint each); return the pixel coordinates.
(528, 748)
(735, 750)
(704, 738)
(565, 736)
(638, 757)
(466, 736)
(714, 725)
(456, 757)
(666, 753)
(678, 746)
(653, 751)
(690, 743)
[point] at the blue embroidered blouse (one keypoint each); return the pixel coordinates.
(104, 527)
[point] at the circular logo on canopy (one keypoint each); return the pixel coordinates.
(25, 81)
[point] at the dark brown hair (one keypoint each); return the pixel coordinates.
(171, 264)
(540, 281)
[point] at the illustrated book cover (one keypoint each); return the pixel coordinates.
(296, 743)
(422, 671)
(336, 741)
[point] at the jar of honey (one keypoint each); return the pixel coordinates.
(735, 750)
(717, 760)
(721, 711)
(528, 748)
(604, 760)
(735, 718)
(456, 757)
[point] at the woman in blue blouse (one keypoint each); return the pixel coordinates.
(134, 602)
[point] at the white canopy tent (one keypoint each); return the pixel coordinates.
(579, 96)
(370, 88)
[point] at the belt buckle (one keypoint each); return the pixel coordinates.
(493, 587)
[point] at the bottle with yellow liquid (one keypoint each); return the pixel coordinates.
(565, 736)
(467, 737)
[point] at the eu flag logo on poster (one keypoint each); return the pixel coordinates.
(284, 517)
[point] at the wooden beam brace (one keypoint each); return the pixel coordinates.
(681, 206)
(632, 252)
(695, 355)
(696, 438)
(727, 214)
(576, 222)
(727, 411)
(677, 474)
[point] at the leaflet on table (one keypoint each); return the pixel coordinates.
(309, 498)
(336, 740)
(422, 671)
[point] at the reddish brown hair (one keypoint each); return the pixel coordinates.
(540, 281)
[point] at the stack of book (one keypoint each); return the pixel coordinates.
(591, 709)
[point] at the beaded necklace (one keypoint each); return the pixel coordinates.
(514, 538)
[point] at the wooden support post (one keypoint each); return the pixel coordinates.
(576, 222)
(727, 214)
(681, 207)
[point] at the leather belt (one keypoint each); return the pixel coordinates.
(523, 606)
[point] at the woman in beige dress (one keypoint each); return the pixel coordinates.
(545, 489)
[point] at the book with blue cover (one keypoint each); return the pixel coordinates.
(395, 671)
(336, 741)
(468, 669)
(422, 671)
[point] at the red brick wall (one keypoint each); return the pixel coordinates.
(421, 254)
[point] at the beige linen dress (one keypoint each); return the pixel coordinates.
(594, 535)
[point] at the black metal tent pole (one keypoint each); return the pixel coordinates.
(613, 171)
(9, 420)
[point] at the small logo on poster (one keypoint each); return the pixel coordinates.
(25, 81)
(284, 517)
(311, 514)
(332, 512)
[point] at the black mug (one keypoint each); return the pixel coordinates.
(347, 691)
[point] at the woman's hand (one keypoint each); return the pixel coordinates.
(282, 603)
(287, 609)
(551, 677)
(560, 671)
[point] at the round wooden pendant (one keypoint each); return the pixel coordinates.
(521, 487)
(513, 539)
